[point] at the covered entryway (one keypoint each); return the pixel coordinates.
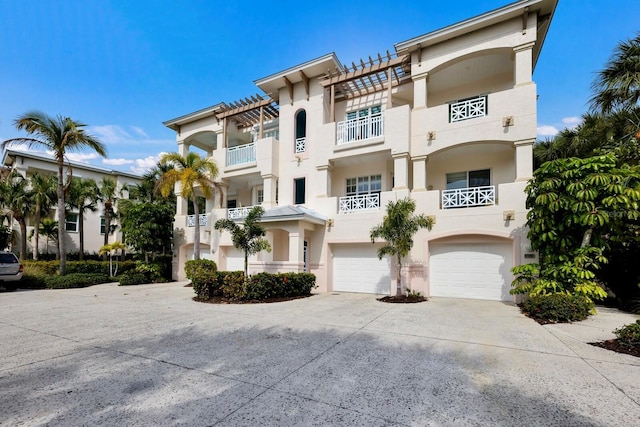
(479, 270)
(356, 268)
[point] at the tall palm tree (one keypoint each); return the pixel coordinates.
(109, 197)
(48, 227)
(16, 200)
(193, 173)
(83, 196)
(43, 188)
(617, 86)
(61, 135)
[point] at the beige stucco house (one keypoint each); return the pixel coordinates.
(448, 119)
(94, 226)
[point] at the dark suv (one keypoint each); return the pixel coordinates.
(10, 270)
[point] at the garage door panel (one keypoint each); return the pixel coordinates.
(471, 270)
(356, 268)
(235, 259)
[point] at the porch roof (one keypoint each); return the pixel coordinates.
(293, 213)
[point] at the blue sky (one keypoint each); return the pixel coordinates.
(124, 67)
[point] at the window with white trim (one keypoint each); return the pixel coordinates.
(259, 195)
(71, 222)
(468, 179)
(364, 112)
(364, 185)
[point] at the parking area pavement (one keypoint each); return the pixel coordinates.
(149, 355)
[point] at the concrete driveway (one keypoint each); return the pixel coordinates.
(148, 355)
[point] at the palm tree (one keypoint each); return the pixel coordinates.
(61, 135)
(191, 172)
(398, 228)
(249, 237)
(83, 196)
(16, 200)
(48, 228)
(109, 198)
(617, 86)
(111, 250)
(43, 188)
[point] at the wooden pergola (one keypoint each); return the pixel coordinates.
(374, 75)
(248, 112)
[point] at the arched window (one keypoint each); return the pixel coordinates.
(301, 131)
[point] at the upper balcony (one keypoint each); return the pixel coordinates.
(360, 129)
(241, 154)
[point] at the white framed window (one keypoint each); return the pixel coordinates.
(469, 179)
(71, 222)
(112, 228)
(364, 112)
(259, 195)
(364, 185)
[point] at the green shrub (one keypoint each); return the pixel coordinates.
(195, 266)
(32, 281)
(84, 267)
(207, 283)
(263, 286)
(133, 278)
(629, 334)
(558, 308)
(232, 284)
(150, 271)
(75, 280)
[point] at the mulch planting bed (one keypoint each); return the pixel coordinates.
(617, 346)
(222, 300)
(403, 299)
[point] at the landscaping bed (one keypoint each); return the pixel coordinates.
(618, 347)
(403, 299)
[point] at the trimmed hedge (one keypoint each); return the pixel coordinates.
(198, 266)
(84, 267)
(558, 308)
(132, 278)
(232, 285)
(75, 280)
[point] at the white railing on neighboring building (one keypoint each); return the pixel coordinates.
(235, 213)
(467, 197)
(468, 109)
(360, 128)
(191, 220)
(361, 202)
(241, 154)
(301, 144)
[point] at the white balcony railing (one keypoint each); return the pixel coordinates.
(241, 154)
(361, 202)
(467, 197)
(191, 220)
(235, 213)
(468, 109)
(301, 145)
(360, 128)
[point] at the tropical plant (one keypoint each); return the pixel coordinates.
(109, 198)
(398, 227)
(61, 135)
(16, 200)
(43, 190)
(111, 250)
(146, 226)
(194, 174)
(248, 238)
(48, 228)
(84, 195)
(617, 86)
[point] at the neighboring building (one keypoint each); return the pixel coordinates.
(449, 120)
(94, 227)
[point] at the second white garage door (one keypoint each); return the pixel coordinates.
(356, 268)
(471, 270)
(235, 259)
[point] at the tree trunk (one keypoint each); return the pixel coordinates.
(246, 264)
(62, 250)
(23, 237)
(37, 234)
(196, 236)
(399, 277)
(107, 224)
(81, 234)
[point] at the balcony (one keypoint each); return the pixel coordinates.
(301, 145)
(361, 202)
(241, 154)
(360, 129)
(236, 213)
(469, 197)
(191, 220)
(469, 108)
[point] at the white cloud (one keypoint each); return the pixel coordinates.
(110, 134)
(572, 122)
(143, 165)
(547, 130)
(117, 162)
(80, 157)
(139, 131)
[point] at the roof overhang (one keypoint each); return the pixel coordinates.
(291, 213)
(544, 8)
(196, 115)
(313, 68)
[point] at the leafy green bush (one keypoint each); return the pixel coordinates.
(32, 281)
(84, 267)
(196, 266)
(267, 285)
(132, 278)
(75, 280)
(558, 308)
(207, 283)
(629, 334)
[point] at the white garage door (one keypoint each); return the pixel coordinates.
(235, 259)
(356, 268)
(205, 253)
(471, 270)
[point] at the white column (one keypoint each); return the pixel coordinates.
(269, 189)
(419, 173)
(183, 148)
(401, 171)
(524, 159)
(523, 68)
(420, 91)
(324, 180)
(296, 250)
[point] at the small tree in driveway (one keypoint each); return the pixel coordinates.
(249, 237)
(398, 227)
